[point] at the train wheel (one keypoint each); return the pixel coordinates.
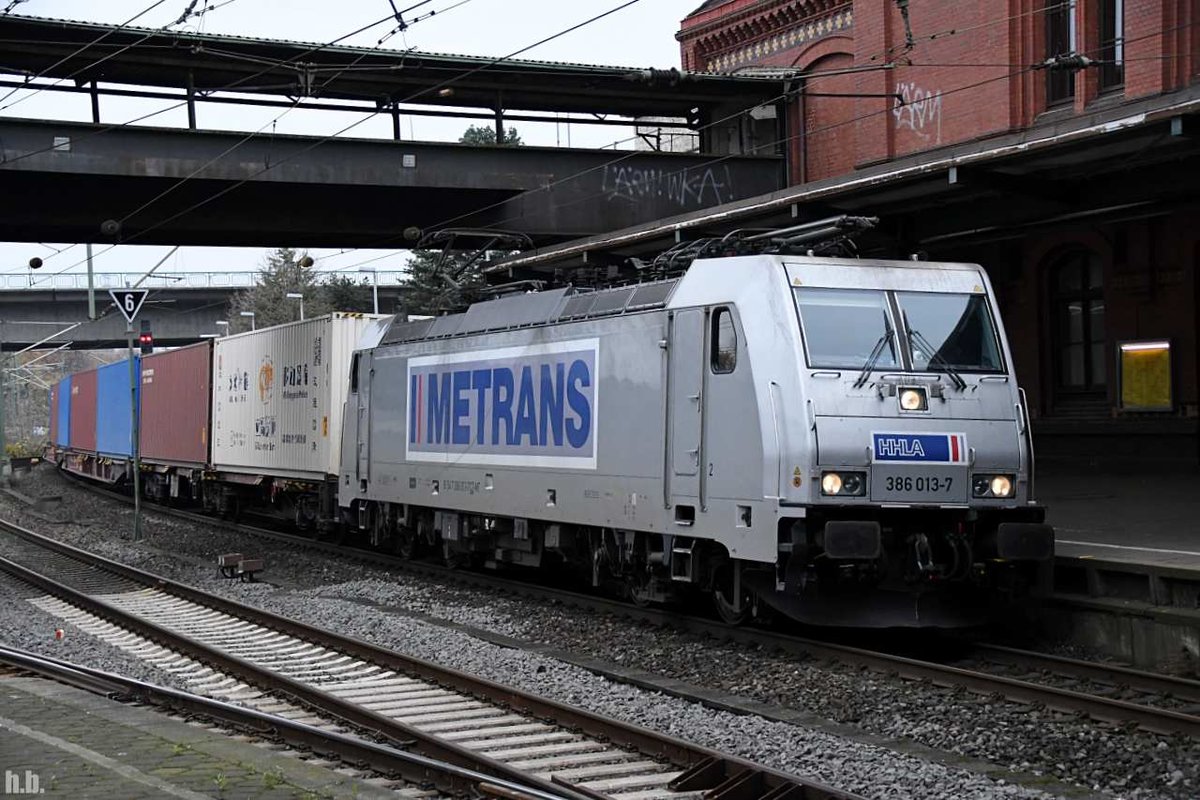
(305, 515)
(450, 558)
(231, 507)
(638, 590)
(722, 595)
(404, 542)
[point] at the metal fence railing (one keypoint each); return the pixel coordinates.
(163, 280)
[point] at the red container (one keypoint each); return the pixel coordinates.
(83, 411)
(176, 392)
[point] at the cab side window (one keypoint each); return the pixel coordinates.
(723, 358)
(354, 374)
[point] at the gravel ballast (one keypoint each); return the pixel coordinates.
(353, 598)
(24, 626)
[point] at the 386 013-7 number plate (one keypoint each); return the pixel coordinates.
(918, 484)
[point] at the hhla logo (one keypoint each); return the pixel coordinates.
(14, 785)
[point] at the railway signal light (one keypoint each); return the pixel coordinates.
(146, 338)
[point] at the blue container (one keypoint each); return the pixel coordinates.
(114, 427)
(62, 413)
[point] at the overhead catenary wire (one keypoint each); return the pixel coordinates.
(229, 150)
(80, 52)
(419, 93)
(175, 186)
(269, 65)
(35, 90)
(947, 32)
(634, 154)
(245, 139)
(152, 201)
(1014, 72)
(884, 111)
(187, 13)
(371, 115)
(149, 203)
(195, 2)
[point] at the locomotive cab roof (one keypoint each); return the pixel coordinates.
(575, 303)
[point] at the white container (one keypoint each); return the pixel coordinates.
(278, 396)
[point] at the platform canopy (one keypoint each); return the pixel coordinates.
(84, 52)
(1133, 161)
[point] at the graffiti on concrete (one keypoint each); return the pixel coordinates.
(684, 188)
(919, 110)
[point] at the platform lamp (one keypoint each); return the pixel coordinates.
(224, 325)
(374, 284)
(249, 314)
(298, 296)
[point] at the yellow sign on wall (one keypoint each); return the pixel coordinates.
(1146, 376)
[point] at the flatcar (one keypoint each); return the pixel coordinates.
(842, 441)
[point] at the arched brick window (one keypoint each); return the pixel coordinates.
(1077, 297)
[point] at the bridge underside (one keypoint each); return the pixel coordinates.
(73, 207)
(63, 181)
(178, 316)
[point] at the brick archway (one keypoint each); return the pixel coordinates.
(826, 142)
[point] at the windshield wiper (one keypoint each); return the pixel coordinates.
(935, 357)
(876, 352)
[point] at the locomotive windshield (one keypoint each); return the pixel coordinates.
(941, 332)
(847, 328)
(952, 331)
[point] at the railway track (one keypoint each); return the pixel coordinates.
(1107, 680)
(322, 741)
(551, 748)
(1103, 692)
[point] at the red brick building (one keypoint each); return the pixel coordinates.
(917, 81)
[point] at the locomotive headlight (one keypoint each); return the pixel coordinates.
(914, 399)
(993, 486)
(845, 484)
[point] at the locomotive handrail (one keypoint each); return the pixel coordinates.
(1027, 433)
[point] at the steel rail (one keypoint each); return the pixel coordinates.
(352, 713)
(377, 757)
(1104, 709)
(1110, 674)
(704, 768)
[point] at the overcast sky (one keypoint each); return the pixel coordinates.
(639, 36)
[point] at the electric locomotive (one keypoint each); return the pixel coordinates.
(841, 440)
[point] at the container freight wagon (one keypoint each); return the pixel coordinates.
(114, 417)
(101, 428)
(176, 390)
(277, 401)
(60, 414)
(83, 412)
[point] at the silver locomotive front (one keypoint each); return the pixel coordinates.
(920, 506)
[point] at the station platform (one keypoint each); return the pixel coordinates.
(1127, 566)
(1130, 516)
(58, 741)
